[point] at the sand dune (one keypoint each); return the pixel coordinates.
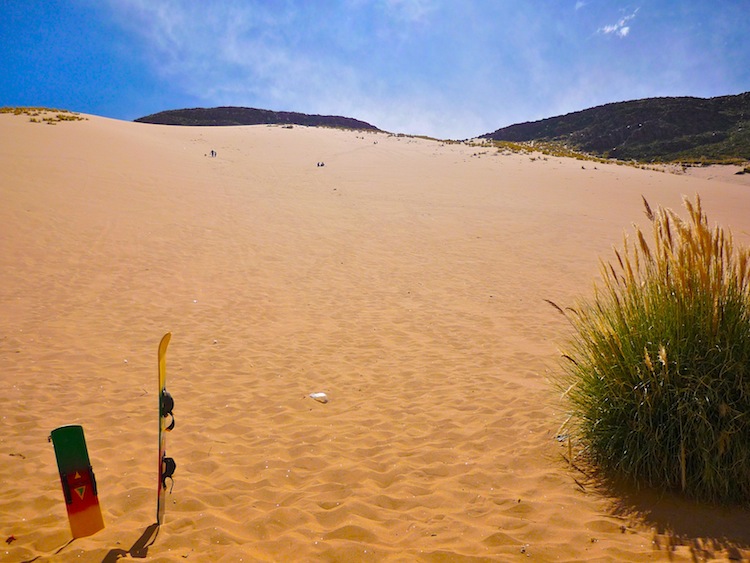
(406, 279)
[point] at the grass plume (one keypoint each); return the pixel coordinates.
(659, 374)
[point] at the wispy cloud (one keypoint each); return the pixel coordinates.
(408, 65)
(233, 53)
(621, 28)
(291, 58)
(409, 10)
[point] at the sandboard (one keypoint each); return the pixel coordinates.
(78, 481)
(166, 424)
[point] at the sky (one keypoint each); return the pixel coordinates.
(450, 69)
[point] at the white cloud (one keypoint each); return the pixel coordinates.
(621, 28)
(409, 10)
(250, 55)
(241, 54)
(580, 4)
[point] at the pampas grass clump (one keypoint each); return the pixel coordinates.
(658, 370)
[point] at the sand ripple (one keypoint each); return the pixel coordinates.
(405, 280)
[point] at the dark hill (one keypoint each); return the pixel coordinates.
(250, 116)
(652, 129)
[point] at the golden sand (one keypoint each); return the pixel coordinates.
(406, 279)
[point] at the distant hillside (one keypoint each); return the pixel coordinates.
(250, 116)
(652, 129)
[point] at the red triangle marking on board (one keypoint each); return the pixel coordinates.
(81, 491)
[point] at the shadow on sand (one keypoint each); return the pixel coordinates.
(708, 530)
(139, 549)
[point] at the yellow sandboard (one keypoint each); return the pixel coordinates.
(166, 424)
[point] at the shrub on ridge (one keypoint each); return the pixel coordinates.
(657, 372)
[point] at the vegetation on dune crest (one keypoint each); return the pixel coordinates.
(657, 373)
(41, 115)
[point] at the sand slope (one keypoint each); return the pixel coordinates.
(406, 279)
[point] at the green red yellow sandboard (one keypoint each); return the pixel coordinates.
(78, 481)
(166, 424)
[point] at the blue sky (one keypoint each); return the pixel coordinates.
(446, 68)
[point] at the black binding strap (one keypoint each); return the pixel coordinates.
(167, 470)
(66, 488)
(93, 481)
(167, 404)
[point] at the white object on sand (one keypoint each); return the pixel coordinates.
(320, 397)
